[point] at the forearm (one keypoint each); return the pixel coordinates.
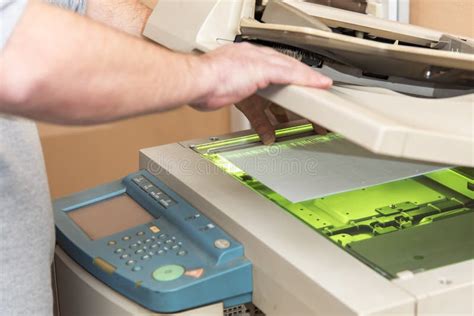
(60, 67)
(126, 15)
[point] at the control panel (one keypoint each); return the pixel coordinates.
(146, 242)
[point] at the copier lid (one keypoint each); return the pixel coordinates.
(385, 122)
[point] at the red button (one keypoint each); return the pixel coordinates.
(197, 273)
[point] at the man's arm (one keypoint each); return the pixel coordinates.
(64, 68)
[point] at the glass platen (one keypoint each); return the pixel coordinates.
(415, 224)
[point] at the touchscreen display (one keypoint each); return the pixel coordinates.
(109, 217)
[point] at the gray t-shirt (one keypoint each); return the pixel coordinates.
(26, 221)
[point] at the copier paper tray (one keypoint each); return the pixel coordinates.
(414, 224)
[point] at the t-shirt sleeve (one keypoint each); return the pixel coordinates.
(12, 10)
(10, 13)
(78, 6)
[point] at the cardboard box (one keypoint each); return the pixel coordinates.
(452, 16)
(78, 158)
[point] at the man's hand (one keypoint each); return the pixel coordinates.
(236, 71)
(265, 115)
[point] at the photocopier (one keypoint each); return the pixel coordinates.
(374, 218)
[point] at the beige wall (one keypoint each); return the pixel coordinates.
(453, 16)
(80, 158)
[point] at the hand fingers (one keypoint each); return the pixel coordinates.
(289, 70)
(254, 109)
(239, 70)
(264, 129)
(318, 129)
(278, 68)
(294, 72)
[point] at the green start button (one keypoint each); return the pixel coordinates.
(168, 273)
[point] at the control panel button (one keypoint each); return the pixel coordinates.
(125, 256)
(130, 262)
(140, 251)
(137, 268)
(146, 257)
(222, 243)
(210, 226)
(161, 252)
(126, 238)
(134, 246)
(193, 217)
(112, 243)
(207, 227)
(182, 253)
(143, 183)
(148, 187)
(140, 233)
(196, 273)
(163, 236)
(154, 229)
(119, 250)
(168, 273)
(139, 179)
(166, 201)
(104, 265)
(156, 193)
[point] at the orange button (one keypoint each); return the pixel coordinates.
(197, 273)
(104, 265)
(154, 229)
